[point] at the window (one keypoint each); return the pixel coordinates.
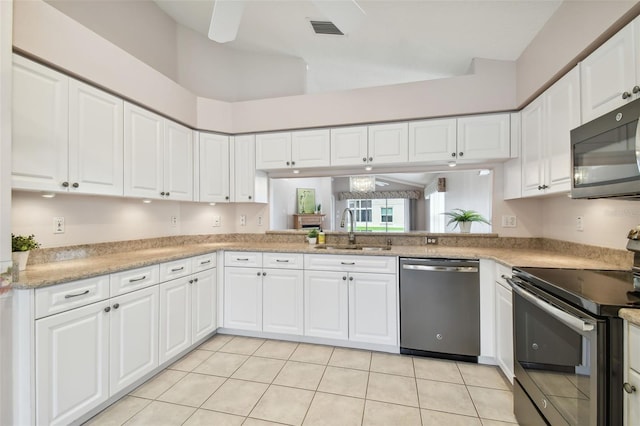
(362, 210)
(386, 214)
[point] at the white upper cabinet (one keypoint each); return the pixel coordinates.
(349, 146)
(300, 149)
(40, 127)
(213, 174)
(158, 156)
(610, 76)
(388, 143)
(433, 140)
(95, 140)
(248, 185)
(546, 143)
(483, 137)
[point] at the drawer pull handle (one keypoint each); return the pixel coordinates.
(133, 280)
(204, 262)
(504, 277)
(282, 260)
(177, 269)
(348, 263)
(69, 296)
(242, 259)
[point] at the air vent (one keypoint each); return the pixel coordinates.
(325, 27)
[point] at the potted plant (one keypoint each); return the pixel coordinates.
(319, 209)
(464, 219)
(312, 236)
(20, 246)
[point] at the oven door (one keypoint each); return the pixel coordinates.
(556, 358)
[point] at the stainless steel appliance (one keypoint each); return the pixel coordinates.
(568, 345)
(440, 308)
(605, 155)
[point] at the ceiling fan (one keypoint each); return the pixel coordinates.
(226, 16)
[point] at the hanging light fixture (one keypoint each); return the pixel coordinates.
(362, 183)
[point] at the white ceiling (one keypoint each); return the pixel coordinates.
(399, 41)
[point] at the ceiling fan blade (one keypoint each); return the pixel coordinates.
(225, 20)
(347, 15)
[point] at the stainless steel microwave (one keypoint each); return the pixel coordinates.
(605, 155)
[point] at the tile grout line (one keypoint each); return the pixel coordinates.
(315, 392)
(366, 390)
(415, 379)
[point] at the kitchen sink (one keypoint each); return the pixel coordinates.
(352, 247)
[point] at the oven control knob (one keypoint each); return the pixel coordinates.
(439, 336)
(628, 388)
(535, 346)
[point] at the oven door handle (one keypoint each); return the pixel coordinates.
(562, 316)
(638, 145)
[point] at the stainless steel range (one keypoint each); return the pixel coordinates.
(568, 345)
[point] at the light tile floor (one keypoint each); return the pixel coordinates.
(233, 380)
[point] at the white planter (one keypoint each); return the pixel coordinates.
(465, 227)
(20, 257)
(312, 241)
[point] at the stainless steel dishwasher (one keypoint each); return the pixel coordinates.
(440, 308)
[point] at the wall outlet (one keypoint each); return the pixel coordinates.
(579, 223)
(243, 220)
(174, 221)
(216, 221)
(431, 240)
(260, 220)
(58, 225)
(509, 221)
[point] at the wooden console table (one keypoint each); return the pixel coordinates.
(307, 220)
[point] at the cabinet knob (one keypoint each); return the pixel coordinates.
(65, 184)
(162, 194)
(626, 95)
(249, 196)
(287, 163)
(107, 309)
(370, 159)
(545, 186)
(344, 278)
(453, 154)
(75, 184)
(460, 154)
(116, 306)
(195, 280)
(364, 159)
(293, 163)
(636, 89)
(350, 278)
(628, 388)
(190, 281)
(168, 194)
(264, 274)
(226, 198)
(258, 273)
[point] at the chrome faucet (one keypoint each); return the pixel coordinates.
(352, 235)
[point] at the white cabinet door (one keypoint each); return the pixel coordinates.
(175, 317)
(40, 127)
(388, 143)
(561, 114)
(532, 150)
(178, 162)
(484, 137)
(95, 141)
(504, 332)
(248, 185)
(143, 153)
(273, 151)
(326, 304)
(214, 168)
(72, 364)
(349, 146)
(310, 148)
(372, 308)
(133, 337)
(432, 140)
(632, 400)
(243, 298)
(204, 304)
(282, 301)
(607, 73)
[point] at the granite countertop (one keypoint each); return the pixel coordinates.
(46, 274)
(631, 315)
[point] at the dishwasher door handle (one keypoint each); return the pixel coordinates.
(441, 268)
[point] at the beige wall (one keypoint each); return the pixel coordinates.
(560, 43)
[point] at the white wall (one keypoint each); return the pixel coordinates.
(283, 200)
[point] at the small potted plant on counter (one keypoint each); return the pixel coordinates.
(464, 219)
(312, 236)
(21, 246)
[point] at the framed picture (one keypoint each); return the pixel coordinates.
(306, 200)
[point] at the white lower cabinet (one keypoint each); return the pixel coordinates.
(72, 363)
(133, 343)
(504, 330)
(243, 298)
(326, 305)
(372, 308)
(204, 296)
(282, 302)
(631, 393)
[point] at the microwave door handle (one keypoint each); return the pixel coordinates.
(574, 322)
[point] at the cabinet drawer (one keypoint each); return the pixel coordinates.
(328, 262)
(134, 279)
(175, 269)
(60, 298)
(283, 260)
(243, 258)
(503, 271)
(204, 262)
(634, 347)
